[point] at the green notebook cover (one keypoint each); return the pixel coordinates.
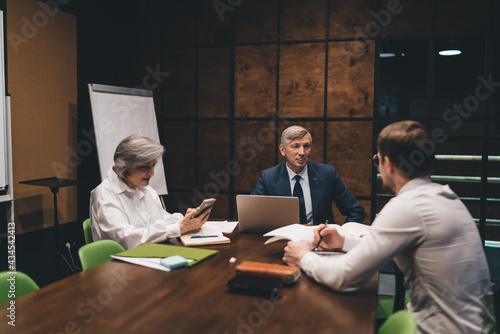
(149, 249)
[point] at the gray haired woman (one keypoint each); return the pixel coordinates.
(126, 209)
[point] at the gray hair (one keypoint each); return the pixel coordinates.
(293, 132)
(133, 151)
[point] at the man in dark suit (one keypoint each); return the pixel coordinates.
(316, 185)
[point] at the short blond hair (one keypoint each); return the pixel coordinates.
(293, 132)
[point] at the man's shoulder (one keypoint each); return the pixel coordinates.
(275, 169)
(320, 168)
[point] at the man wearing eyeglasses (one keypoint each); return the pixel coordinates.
(428, 232)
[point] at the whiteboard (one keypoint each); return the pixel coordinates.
(119, 112)
(4, 149)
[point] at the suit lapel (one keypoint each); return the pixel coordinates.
(314, 187)
(284, 182)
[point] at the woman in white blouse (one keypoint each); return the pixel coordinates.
(126, 209)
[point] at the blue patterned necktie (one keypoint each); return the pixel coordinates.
(297, 192)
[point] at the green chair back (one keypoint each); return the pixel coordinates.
(23, 285)
(97, 252)
(401, 322)
(87, 231)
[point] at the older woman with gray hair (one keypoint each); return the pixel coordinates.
(126, 209)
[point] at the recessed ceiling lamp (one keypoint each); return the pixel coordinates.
(386, 50)
(450, 49)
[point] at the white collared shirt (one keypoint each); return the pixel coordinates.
(304, 183)
(433, 239)
(130, 216)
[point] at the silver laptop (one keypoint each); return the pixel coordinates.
(261, 214)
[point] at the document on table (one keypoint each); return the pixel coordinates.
(225, 226)
(151, 262)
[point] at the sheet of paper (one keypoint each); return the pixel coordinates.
(151, 262)
(294, 232)
(225, 226)
(207, 235)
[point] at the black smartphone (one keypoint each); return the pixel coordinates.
(256, 285)
(205, 205)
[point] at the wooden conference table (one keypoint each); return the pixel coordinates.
(118, 297)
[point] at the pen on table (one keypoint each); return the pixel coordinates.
(321, 237)
(203, 236)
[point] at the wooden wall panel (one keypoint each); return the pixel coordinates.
(179, 22)
(302, 79)
(255, 81)
(213, 94)
(454, 17)
(150, 31)
(179, 92)
(303, 20)
(145, 65)
(350, 79)
(350, 19)
(214, 25)
(339, 218)
(349, 149)
(410, 18)
(42, 81)
(180, 201)
(180, 156)
(213, 156)
(256, 21)
(255, 149)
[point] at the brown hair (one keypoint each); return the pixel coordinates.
(408, 146)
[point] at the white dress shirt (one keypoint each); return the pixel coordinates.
(130, 216)
(304, 183)
(433, 239)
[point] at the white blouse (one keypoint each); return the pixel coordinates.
(130, 216)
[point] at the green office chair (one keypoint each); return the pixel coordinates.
(389, 304)
(401, 322)
(87, 231)
(97, 252)
(23, 285)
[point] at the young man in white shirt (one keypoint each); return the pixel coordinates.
(428, 232)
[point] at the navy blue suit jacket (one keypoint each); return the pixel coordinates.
(325, 185)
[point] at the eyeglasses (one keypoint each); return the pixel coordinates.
(376, 160)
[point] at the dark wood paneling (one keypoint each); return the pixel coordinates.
(213, 156)
(349, 19)
(302, 80)
(406, 18)
(179, 22)
(179, 201)
(254, 151)
(145, 65)
(255, 81)
(179, 157)
(339, 219)
(220, 209)
(213, 95)
(302, 20)
(215, 24)
(350, 79)
(350, 151)
(149, 22)
(256, 21)
(454, 17)
(179, 85)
